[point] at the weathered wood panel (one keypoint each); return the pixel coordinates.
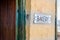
(7, 19)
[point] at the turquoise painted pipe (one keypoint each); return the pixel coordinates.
(21, 20)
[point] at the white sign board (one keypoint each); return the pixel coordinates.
(43, 19)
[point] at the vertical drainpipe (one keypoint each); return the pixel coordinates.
(21, 20)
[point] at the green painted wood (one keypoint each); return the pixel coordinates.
(21, 20)
(16, 19)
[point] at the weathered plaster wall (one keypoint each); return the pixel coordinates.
(42, 31)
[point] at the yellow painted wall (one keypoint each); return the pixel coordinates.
(28, 11)
(41, 31)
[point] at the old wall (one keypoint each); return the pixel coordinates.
(41, 31)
